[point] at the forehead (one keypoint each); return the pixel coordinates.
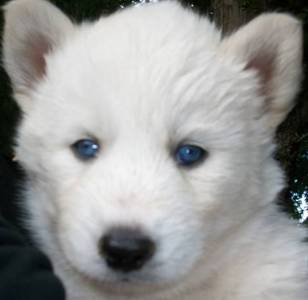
(140, 63)
(150, 45)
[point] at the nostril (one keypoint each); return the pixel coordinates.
(126, 249)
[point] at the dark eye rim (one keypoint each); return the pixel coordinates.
(194, 164)
(85, 158)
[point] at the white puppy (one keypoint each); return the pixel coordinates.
(147, 139)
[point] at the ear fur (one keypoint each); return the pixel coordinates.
(33, 28)
(271, 44)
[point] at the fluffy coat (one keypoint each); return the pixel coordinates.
(141, 82)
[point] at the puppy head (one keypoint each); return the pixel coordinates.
(147, 128)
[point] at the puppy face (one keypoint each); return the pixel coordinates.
(135, 179)
(114, 110)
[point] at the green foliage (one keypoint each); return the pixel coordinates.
(299, 183)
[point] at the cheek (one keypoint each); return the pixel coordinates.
(78, 236)
(222, 187)
(220, 178)
(64, 169)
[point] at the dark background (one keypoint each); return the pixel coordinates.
(292, 137)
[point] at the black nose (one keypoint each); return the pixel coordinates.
(126, 249)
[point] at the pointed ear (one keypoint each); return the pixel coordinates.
(272, 45)
(33, 28)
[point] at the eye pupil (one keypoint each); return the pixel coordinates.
(188, 155)
(85, 149)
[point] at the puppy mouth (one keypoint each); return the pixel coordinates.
(123, 279)
(131, 285)
(134, 278)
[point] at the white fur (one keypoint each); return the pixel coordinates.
(142, 81)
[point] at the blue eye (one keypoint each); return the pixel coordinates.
(188, 155)
(85, 149)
